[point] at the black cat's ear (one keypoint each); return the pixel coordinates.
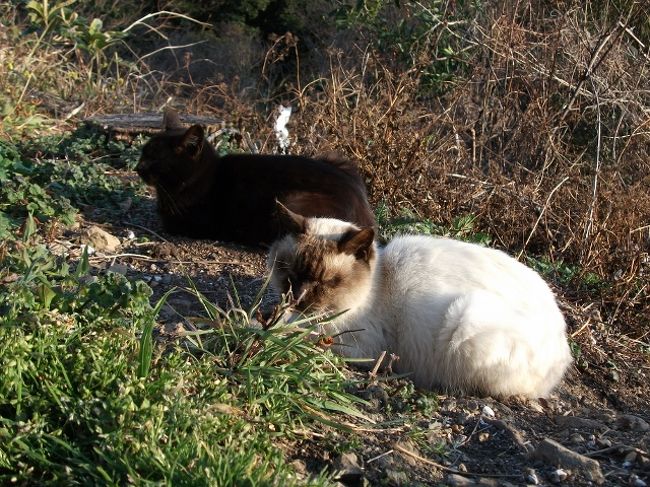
(192, 142)
(358, 243)
(171, 119)
(289, 221)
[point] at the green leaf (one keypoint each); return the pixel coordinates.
(84, 266)
(146, 340)
(29, 228)
(46, 295)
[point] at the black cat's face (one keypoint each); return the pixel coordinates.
(171, 157)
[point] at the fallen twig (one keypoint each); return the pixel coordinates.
(444, 468)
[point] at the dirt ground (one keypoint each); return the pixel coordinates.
(593, 431)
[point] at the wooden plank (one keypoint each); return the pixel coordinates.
(146, 123)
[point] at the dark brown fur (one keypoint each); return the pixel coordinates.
(233, 197)
(318, 269)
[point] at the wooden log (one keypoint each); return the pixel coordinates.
(146, 123)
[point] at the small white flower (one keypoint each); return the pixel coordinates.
(281, 132)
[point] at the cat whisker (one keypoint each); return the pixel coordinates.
(172, 206)
(347, 331)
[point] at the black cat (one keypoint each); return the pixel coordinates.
(233, 198)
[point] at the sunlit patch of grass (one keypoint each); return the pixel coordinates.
(563, 273)
(407, 222)
(89, 397)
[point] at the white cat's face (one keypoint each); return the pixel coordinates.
(326, 263)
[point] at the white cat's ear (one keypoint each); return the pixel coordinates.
(358, 243)
(192, 142)
(289, 221)
(171, 119)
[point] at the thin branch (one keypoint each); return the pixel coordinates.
(444, 468)
(163, 12)
(541, 214)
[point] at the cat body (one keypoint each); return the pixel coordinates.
(232, 198)
(460, 317)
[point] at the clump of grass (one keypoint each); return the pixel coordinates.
(408, 222)
(88, 397)
(275, 365)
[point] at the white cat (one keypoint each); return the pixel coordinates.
(460, 317)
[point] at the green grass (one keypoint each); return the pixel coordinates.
(564, 274)
(89, 396)
(404, 221)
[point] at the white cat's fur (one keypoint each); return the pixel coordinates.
(461, 317)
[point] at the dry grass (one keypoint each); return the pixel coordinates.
(546, 141)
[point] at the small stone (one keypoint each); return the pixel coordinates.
(558, 476)
(300, 468)
(552, 453)
(614, 375)
(635, 481)
(118, 269)
(576, 439)
(130, 235)
(457, 428)
(449, 404)
(348, 468)
(531, 476)
(483, 436)
(472, 405)
(100, 239)
(455, 480)
(604, 442)
(630, 422)
(535, 406)
(488, 412)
